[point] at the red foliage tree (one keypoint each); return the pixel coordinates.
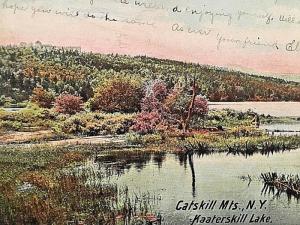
(118, 95)
(68, 104)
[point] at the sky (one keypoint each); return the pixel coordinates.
(256, 36)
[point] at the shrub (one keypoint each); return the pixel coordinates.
(26, 115)
(146, 122)
(152, 139)
(42, 97)
(182, 107)
(31, 118)
(68, 104)
(22, 104)
(133, 138)
(92, 124)
(2, 100)
(178, 103)
(200, 106)
(118, 95)
(245, 131)
(228, 117)
(6, 101)
(10, 125)
(137, 139)
(74, 125)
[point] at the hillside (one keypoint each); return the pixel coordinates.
(24, 67)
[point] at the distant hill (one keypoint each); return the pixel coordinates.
(25, 66)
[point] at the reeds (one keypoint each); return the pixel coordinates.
(242, 145)
(290, 184)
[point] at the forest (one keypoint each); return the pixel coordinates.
(60, 70)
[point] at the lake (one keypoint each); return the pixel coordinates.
(291, 109)
(219, 177)
(12, 109)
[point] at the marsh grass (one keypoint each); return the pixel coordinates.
(52, 185)
(245, 143)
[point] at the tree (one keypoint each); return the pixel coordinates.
(42, 97)
(119, 94)
(155, 93)
(160, 109)
(152, 113)
(182, 104)
(68, 104)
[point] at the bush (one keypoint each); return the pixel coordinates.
(26, 115)
(32, 117)
(10, 125)
(137, 139)
(6, 101)
(178, 103)
(68, 104)
(92, 124)
(22, 104)
(42, 97)
(228, 118)
(133, 138)
(152, 139)
(118, 95)
(146, 122)
(245, 131)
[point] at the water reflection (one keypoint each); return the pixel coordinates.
(159, 158)
(191, 163)
(270, 190)
(120, 162)
(194, 175)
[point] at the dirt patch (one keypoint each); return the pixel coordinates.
(91, 140)
(45, 136)
(23, 137)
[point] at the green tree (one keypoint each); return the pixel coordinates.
(42, 97)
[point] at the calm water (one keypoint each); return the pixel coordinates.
(267, 108)
(282, 128)
(216, 177)
(12, 109)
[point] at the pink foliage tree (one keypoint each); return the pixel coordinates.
(68, 104)
(178, 107)
(152, 107)
(200, 106)
(146, 122)
(155, 92)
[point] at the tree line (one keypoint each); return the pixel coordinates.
(65, 70)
